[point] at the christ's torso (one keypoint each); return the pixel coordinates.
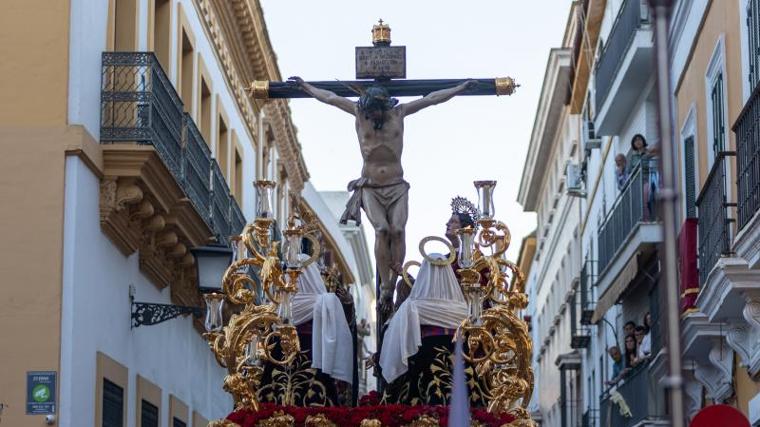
(381, 148)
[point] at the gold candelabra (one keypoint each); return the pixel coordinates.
(498, 341)
(250, 336)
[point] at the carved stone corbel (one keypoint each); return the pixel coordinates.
(127, 193)
(143, 210)
(167, 239)
(155, 224)
(738, 338)
(177, 251)
(751, 314)
(717, 374)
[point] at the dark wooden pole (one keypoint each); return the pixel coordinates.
(278, 90)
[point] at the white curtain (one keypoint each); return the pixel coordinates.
(331, 342)
(437, 300)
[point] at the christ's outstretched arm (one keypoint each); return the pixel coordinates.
(436, 97)
(325, 96)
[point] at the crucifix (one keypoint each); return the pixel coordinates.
(381, 190)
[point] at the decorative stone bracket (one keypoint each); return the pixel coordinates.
(733, 288)
(143, 209)
(716, 373)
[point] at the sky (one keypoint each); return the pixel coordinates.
(448, 146)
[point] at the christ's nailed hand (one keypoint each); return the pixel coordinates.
(296, 80)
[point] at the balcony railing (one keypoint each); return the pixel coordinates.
(140, 105)
(196, 161)
(580, 333)
(747, 130)
(630, 18)
(588, 297)
(636, 391)
(714, 219)
(635, 204)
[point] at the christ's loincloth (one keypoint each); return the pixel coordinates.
(392, 197)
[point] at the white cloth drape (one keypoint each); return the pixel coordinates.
(437, 300)
(331, 342)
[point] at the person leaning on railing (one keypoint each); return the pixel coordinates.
(645, 156)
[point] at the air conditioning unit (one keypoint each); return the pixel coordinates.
(590, 139)
(574, 179)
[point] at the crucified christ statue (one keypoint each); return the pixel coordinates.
(381, 190)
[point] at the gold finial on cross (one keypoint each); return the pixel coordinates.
(381, 34)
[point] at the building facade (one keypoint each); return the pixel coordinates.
(611, 97)
(130, 140)
(554, 270)
(714, 55)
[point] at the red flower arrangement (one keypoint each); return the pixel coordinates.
(388, 415)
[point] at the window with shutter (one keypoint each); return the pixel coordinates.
(148, 414)
(753, 39)
(689, 178)
(719, 122)
(113, 404)
(176, 422)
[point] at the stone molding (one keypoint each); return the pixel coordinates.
(142, 209)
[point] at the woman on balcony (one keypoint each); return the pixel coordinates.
(644, 156)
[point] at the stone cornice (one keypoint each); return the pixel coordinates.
(238, 33)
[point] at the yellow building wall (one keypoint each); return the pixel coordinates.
(721, 17)
(34, 45)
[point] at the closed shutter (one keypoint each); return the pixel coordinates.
(719, 123)
(689, 178)
(113, 404)
(148, 414)
(753, 36)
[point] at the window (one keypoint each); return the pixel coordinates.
(178, 412)
(237, 181)
(753, 38)
(148, 414)
(148, 403)
(716, 102)
(718, 116)
(223, 147)
(113, 404)
(110, 392)
(160, 33)
(204, 110)
(186, 64)
(690, 182)
(122, 25)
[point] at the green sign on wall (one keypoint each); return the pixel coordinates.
(40, 392)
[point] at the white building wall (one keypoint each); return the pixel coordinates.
(96, 318)
(554, 269)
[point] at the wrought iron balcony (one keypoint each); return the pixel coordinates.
(196, 161)
(580, 334)
(140, 105)
(714, 218)
(638, 391)
(624, 65)
(587, 294)
(747, 130)
(634, 205)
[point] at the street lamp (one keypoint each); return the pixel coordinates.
(211, 263)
